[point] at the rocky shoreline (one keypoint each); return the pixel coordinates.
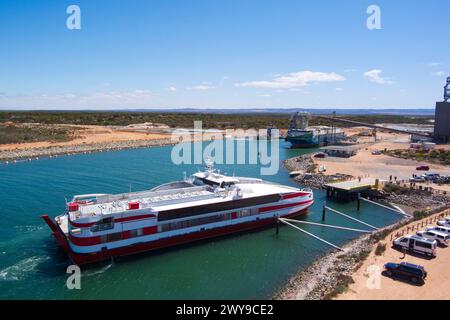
(419, 200)
(332, 273)
(324, 277)
(306, 168)
(302, 163)
(51, 151)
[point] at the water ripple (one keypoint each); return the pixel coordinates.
(19, 270)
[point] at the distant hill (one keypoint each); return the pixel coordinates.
(216, 119)
(412, 112)
(224, 111)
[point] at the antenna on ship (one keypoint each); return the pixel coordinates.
(209, 164)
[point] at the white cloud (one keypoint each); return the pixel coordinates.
(300, 90)
(110, 99)
(439, 73)
(434, 64)
(202, 87)
(375, 76)
(141, 92)
(293, 80)
(339, 89)
(171, 89)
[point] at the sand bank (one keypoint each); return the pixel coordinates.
(88, 139)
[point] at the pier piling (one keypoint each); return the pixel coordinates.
(324, 210)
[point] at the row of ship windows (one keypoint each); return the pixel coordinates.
(200, 221)
(104, 224)
(109, 224)
(121, 235)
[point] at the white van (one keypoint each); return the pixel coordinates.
(445, 230)
(417, 244)
(440, 237)
(445, 222)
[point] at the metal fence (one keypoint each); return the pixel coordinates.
(420, 225)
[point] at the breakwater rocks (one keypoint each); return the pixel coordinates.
(419, 200)
(313, 180)
(50, 151)
(304, 167)
(332, 273)
(302, 163)
(306, 172)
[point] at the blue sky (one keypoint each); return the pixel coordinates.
(222, 54)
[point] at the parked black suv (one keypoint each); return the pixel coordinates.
(415, 273)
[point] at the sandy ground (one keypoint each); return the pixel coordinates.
(435, 287)
(365, 164)
(89, 135)
(88, 139)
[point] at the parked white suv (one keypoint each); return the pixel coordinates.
(440, 237)
(445, 222)
(445, 230)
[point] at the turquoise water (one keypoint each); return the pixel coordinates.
(252, 265)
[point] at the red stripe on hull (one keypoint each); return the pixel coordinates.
(125, 219)
(134, 218)
(80, 259)
(284, 206)
(295, 195)
(81, 225)
(108, 238)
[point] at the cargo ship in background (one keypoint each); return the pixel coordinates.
(209, 204)
(300, 135)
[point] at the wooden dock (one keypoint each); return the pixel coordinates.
(348, 190)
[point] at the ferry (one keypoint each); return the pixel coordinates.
(97, 227)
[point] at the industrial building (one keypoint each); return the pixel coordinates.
(442, 117)
(340, 151)
(442, 122)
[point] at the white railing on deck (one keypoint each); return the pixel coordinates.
(147, 194)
